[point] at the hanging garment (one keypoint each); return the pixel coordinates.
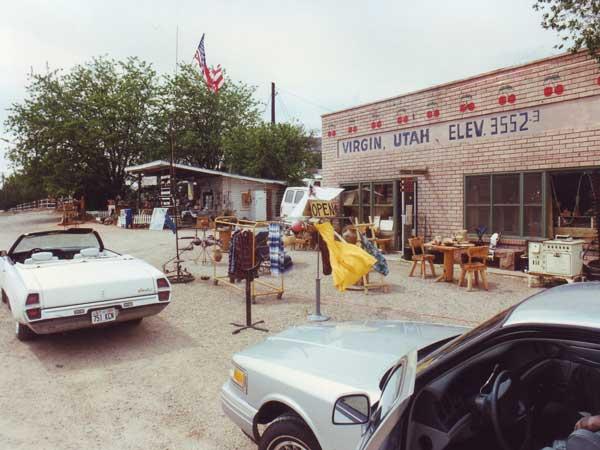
(232, 254)
(324, 256)
(381, 264)
(348, 262)
(276, 250)
(244, 259)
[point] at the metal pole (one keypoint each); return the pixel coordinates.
(273, 103)
(317, 317)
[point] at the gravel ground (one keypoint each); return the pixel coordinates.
(156, 386)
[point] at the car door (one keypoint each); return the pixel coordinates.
(395, 397)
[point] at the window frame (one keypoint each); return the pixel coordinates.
(521, 205)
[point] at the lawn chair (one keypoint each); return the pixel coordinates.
(475, 266)
(419, 256)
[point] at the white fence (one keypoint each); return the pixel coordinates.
(142, 219)
(98, 214)
(46, 203)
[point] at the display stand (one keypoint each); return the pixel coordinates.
(268, 288)
(317, 316)
(361, 228)
(250, 276)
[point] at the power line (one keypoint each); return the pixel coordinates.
(307, 100)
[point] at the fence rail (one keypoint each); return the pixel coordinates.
(46, 203)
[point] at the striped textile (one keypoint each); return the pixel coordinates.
(276, 250)
(213, 77)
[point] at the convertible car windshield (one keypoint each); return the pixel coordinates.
(73, 239)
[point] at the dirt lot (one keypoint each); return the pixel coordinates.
(156, 386)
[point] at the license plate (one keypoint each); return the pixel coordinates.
(104, 315)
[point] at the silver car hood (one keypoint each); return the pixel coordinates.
(352, 355)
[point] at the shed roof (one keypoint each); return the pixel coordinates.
(159, 165)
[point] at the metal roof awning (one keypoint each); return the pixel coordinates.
(156, 167)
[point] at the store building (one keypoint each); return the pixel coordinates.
(207, 192)
(510, 150)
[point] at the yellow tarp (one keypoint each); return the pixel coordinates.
(349, 263)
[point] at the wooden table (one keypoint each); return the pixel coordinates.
(448, 251)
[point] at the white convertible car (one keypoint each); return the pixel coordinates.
(63, 280)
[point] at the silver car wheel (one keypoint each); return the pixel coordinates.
(289, 443)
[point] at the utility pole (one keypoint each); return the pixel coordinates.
(272, 102)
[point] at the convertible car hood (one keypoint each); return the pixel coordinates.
(74, 282)
(353, 354)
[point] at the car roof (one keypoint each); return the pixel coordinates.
(575, 304)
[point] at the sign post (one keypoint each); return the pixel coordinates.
(319, 209)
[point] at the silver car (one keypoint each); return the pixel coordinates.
(518, 381)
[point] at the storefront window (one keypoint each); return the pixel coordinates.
(477, 190)
(383, 201)
(350, 201)
(496, 202)
(532, 204)
(506, 195)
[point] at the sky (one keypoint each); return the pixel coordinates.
(323, 55)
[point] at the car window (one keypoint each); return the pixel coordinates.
(390, 391)
(289, 197)
(298, 197)
(71, 241)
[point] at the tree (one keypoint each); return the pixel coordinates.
(576, 21)
(78, 131)
(202, 119)
(280, 152)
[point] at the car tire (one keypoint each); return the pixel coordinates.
(23, 332)
(288, 432)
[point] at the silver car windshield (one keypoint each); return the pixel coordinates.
(70, 241)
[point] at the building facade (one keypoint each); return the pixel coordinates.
(514, 150)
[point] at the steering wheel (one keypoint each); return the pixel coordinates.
(35, 250)
(509, 408)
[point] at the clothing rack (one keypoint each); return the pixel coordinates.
(361, 228)
(266, 288)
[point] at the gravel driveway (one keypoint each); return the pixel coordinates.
(156, 386)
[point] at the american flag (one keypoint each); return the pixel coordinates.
(212, 77)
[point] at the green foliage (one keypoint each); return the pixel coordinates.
(576, 21)
(280, 152)
(18, 188)
(202, 119)
(77, 131)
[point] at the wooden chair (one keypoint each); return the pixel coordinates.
(475, 266)
(419, 256)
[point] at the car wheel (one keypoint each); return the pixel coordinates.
(23, 332)
(288, 433)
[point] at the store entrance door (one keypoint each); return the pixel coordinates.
(408, 213)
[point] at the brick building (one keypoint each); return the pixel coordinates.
(510, 150)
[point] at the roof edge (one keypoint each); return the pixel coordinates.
(460, 80)
(162, 163)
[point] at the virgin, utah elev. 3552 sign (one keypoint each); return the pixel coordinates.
(556, 116)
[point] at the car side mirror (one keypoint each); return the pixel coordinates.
(353, 409)
(3, 253)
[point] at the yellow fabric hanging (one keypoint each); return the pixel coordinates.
(349, 263)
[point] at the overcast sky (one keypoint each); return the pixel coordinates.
(323, 55)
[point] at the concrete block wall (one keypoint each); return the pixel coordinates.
(569, 78)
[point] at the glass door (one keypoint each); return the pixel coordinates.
(408, 212)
